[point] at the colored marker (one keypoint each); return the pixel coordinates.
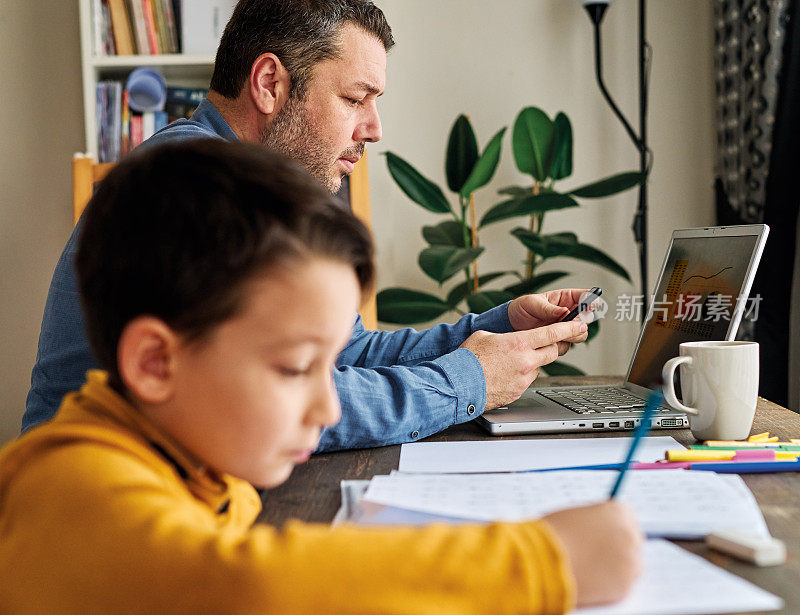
(745, 444)
(744, 467)
(740, 455)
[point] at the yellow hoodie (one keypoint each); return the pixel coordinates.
(102, 513)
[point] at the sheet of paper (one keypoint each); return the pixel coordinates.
(668, 503)
(520, 455)
(676, 582)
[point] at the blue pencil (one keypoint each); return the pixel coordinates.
(653, 401)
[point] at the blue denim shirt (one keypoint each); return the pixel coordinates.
(395, 386)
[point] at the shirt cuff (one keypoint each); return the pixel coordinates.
(494, 320)
(469, 383)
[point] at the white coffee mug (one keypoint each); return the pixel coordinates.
(719, 382)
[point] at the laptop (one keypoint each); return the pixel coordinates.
(701, 294)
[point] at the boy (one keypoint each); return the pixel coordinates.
(218, 334)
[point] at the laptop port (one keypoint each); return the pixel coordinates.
(582, 425)
(614, 424)
(671, 423)
(628, 425)
(597, 425)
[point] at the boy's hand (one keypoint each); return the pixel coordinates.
(603, 543)
(511, 361)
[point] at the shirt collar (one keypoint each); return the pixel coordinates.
(208, 115)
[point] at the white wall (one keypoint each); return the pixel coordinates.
(490, 59)
(41, 125)
(484, 58)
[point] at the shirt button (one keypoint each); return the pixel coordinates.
(415, 434)
(470, 409)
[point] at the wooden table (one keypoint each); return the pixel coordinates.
(312, 492)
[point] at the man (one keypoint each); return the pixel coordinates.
(303, 77)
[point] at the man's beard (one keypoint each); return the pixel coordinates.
(292, 134)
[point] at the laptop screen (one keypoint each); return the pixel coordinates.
(694, 300)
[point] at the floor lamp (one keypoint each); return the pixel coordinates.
(596, 10)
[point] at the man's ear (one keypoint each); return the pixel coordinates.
(146, 356)
(269, 83)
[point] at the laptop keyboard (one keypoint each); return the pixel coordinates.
(599, 400)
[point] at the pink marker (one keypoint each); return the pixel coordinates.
(754, 456)
(666, 465)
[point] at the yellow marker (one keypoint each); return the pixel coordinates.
(692, 455)
(762, 437)
(707, 455)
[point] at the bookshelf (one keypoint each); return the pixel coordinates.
(178, 70)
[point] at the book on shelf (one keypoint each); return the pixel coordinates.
(121, 26)
(119, 129)
(143, 27)
(103, 34)
(98, 29)
(181, 102)
(139, 26)
(150, 24)
(109, 120)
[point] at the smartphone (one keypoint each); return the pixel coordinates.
(586, 301)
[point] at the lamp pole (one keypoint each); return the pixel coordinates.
(597, 10)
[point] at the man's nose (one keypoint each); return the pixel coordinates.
(369, 129)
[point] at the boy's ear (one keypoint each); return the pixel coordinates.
(146, 358)
(269, 83)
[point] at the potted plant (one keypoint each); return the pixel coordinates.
(542, 149)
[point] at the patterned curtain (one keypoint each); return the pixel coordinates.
(757, 60)
(748, 55)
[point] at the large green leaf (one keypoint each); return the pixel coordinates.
(559, 368)
(610, 185)
(458, 292)
(591, 254)
(403, 306)
(462, 152)
(547, 246)
(418, 188)
(561, 163)
(443, 262)
(527, 205)
(484, 169)
(485, 300)
(447, 233)
(532, 142)
(535, 283)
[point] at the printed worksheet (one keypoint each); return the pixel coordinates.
(676, 582)
(668, 503)
(521, 455)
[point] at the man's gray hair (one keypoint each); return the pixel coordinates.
(300, 32)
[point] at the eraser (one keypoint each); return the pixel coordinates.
(760, 551)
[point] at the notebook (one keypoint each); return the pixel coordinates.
(701, 294)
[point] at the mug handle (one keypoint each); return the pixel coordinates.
(668, 375)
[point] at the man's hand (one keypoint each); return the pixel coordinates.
(511, 361)
(603, 544)
(532, 311)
